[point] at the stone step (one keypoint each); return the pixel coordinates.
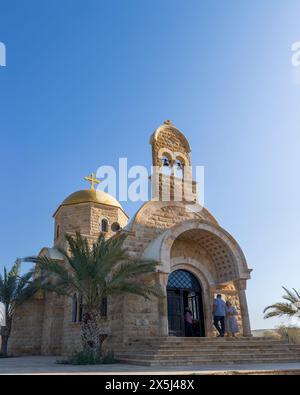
(226, 346)
(183, 351)
(223, 347)
(201, 362)
(210, 353)
(208, 344)
(221, 361)
(184, 354)
(203, 343)
(201, 339)
(212, 344)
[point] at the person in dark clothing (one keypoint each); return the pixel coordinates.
(219, 312)
(188, 321)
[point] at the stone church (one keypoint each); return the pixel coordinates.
(198, 259)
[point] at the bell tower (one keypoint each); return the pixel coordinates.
(172, 172)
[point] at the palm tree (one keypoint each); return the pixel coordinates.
(95, 272)
(290, 308)
(14, 290)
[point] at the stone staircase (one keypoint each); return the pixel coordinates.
(172, 351)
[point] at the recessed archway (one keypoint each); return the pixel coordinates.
(184, 291)
(221, 246)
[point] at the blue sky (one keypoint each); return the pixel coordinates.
(87, 82)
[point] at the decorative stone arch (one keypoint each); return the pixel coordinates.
(164, 151)
(172, 156)
(218, 232)
(160, 249)
(167, 136)
(168, 125)
(206, 281)
(151, 207)
(182, 158)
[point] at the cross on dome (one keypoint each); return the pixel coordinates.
(92, 180)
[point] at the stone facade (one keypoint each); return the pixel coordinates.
(181, 235)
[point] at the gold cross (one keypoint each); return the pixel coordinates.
(92, 180)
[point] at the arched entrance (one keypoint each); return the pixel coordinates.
(184, 290)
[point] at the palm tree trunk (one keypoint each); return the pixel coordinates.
(4, 344)
(5, 332)
(91, 332)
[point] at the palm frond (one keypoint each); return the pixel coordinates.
(131, 269)
(297, 293)
(15, 289)
(291, 296)
(96, 271)
(280, 309)
(291, 308)
(135, 288)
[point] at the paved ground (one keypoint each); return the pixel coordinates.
(48, 365)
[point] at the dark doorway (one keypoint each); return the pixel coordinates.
(184, 290)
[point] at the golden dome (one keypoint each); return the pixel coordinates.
(93, 196)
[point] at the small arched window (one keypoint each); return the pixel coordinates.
(74, 308)
(104, 225)
(166, 165)
(179, 168)
(80, 309)
(103, 308)
(57, 231)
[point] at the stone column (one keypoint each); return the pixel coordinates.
(162, 280)
(241, 287)
(208, 307)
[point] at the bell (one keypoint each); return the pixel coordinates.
(179, 166)
(166, 162)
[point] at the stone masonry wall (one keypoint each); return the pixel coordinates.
(170, 139)
(141, 317)
(113, 325)
(154, 218)
(86, 219)
(26, 335)
(52, 324)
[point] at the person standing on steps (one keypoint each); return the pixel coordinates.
(188, 321)
(219, 312)
(231, 322)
